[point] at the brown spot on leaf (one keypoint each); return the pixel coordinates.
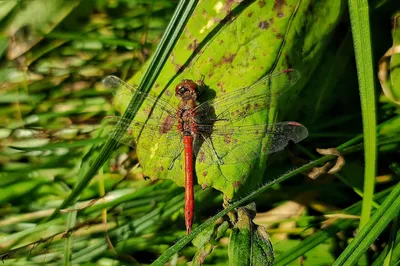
(201, 157)
(178, 67)
(288, 63)
(236, 184)
(228, 6)
(228, 139)
(228, 58)
(159, 169)
(220, 42)
(193, 45)
(205, 173)
(220, 84)
(279, 36)
(250, 14)
(261, 3)
(278, 6)
(263, 25)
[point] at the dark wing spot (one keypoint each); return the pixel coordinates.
(166, 125)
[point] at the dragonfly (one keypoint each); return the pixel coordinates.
(219, 131)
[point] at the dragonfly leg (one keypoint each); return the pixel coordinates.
(209, 144)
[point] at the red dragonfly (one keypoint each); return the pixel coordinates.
(218, 131)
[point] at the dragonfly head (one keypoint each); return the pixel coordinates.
(187, 90)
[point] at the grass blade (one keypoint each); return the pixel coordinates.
(359, 16)
(378, 222)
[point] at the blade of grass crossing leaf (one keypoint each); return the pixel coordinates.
(359, 17)
(170, 37)
(373, 228)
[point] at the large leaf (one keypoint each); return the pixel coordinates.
(231, 46)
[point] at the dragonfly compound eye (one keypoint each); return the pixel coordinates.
(185, 86)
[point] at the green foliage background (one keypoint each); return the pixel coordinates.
(53, 57)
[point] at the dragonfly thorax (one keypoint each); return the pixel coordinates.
(187, 121)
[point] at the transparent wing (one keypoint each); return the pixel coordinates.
(237, 144)
(243, 102)
(154, 107)
(151, 138)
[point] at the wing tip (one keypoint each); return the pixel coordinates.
(110, 81)
(301, 131)
(295, 75)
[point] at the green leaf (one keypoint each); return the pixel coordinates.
(232, 46)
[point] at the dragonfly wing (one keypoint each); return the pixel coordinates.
(243, 102)
(237, 144)
(149, 138)
(154, 107)
(284, 132)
